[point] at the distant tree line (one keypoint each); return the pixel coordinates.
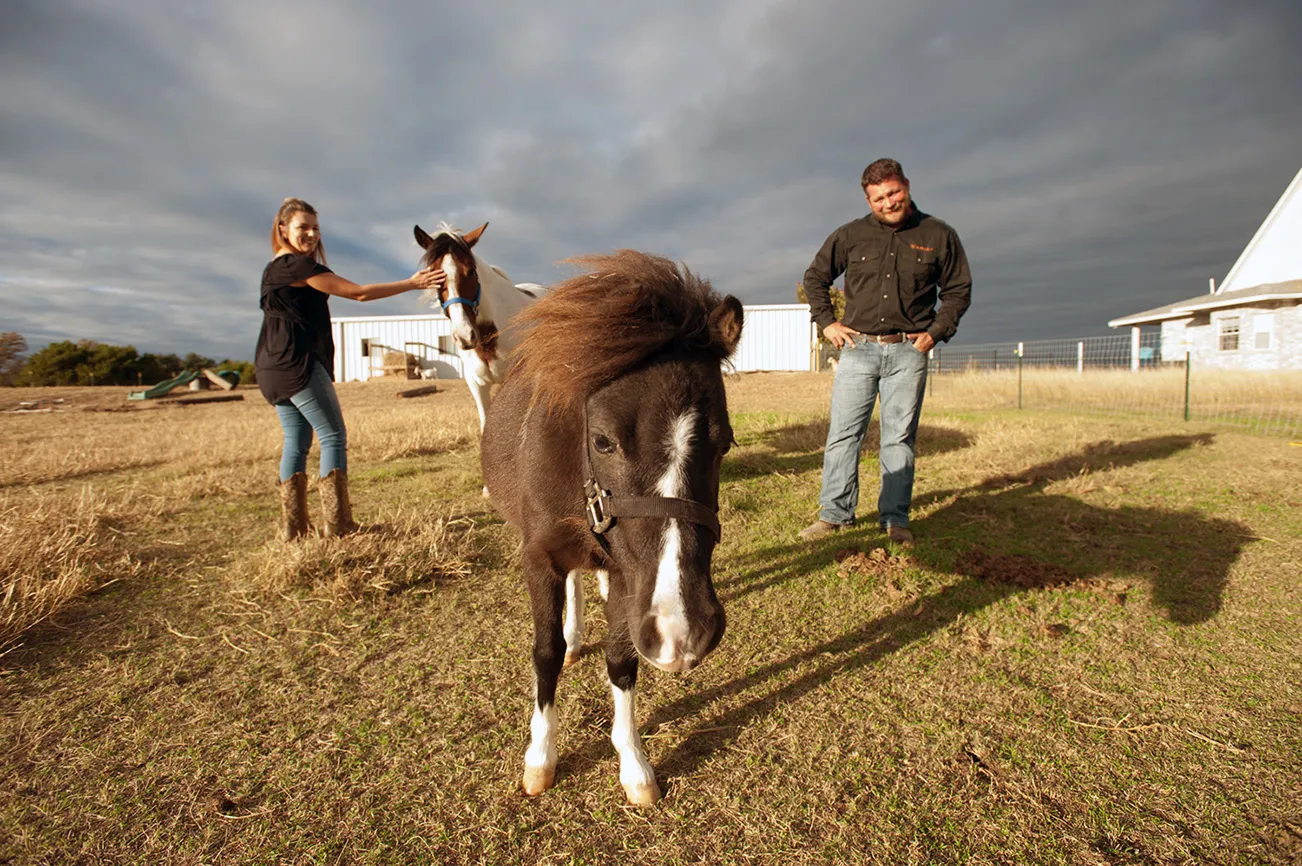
(86, 362)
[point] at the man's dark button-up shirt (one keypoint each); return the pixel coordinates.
(893, 277)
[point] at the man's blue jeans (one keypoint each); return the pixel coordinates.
(316, 407)
(898, 372)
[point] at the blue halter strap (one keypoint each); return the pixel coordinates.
(473, 303)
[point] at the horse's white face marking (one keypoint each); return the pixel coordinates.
(462, 330)
(667, 599)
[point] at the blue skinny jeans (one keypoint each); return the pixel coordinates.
(898, 372)
(316, 407)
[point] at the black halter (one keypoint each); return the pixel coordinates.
(603, 508)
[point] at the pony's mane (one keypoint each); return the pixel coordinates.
(590, 329)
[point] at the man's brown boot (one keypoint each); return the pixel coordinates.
(819, 529)
(335, 506)
(293, 507)
(899, 534)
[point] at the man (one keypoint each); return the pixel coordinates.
(897, 261)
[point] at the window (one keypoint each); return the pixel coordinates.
(366, 347)
(1230, 334)
(1263, 331)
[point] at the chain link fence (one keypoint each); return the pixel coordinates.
(1113, 375)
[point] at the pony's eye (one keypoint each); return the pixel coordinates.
(602, 444)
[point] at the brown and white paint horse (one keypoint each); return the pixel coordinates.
(603, 448)
(477, 297)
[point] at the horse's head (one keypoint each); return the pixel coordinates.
(459, 296)
(631, 355)
(658, 435)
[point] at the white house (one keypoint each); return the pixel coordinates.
(1253, 320)
(773, 337)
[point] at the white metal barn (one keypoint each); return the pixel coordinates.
(774, 337)
(1253, 320)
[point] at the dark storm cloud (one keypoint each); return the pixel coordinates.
(1097, 159)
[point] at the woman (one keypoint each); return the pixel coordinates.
(295, 362)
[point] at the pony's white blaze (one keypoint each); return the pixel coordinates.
(635, 773)
(461, 327)
(667, 598)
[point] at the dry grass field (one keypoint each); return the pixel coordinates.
(1264, 402)
(1091, 655)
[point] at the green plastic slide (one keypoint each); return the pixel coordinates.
(163, 387)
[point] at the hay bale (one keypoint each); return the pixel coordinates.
(402, 364)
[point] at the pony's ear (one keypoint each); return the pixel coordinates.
(472, 236)
(423, 239)
(725, 326)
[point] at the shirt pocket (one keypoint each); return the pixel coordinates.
(862, 263)
(920, 268)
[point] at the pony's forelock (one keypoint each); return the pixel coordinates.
(624, 308)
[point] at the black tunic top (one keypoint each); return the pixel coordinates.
(295, 328)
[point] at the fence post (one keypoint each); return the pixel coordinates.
(1020, 347)
(1186, 385)
(931, 375)
(1080, 358)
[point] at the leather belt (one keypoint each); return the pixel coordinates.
(884, 338)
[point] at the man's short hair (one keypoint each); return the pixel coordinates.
(881, 171)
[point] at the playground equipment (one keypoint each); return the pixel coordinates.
(226, 380)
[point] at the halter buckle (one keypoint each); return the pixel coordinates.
(598, 507)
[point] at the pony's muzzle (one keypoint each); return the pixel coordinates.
(675, 643)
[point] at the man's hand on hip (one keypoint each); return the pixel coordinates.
(840, 334)
(922, 342)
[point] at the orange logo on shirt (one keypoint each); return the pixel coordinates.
(924, 249)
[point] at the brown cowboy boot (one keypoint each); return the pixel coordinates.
(293, 507)
(335, 506)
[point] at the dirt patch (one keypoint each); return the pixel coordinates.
(879, 560)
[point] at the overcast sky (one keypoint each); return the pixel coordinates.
(1097, 159)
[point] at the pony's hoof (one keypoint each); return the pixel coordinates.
(642, 795)
(537, 779)
(570, 659)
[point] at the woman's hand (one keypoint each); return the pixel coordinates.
(430, 278)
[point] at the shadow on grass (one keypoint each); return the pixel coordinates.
(1185, 555)
(799, 448)
(80, 474)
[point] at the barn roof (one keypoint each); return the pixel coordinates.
(1269, 268)
(1272, 254)
(1289, 290)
